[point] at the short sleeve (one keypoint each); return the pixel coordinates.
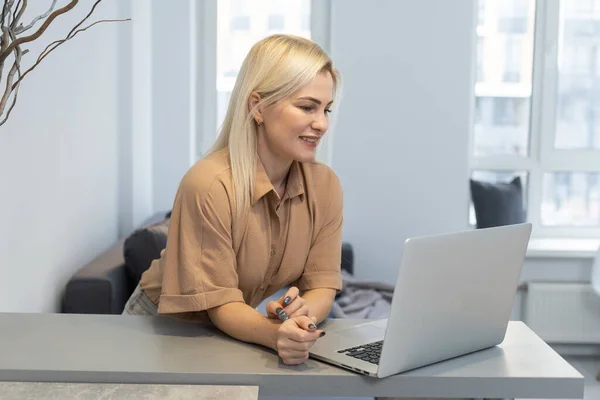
(199, 264)
(323, 265)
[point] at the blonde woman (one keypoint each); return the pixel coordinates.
(258, 213)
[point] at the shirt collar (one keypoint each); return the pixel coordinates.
(263, 185)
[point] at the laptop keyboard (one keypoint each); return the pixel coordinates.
(368, 352)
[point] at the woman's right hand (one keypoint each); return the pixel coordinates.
(295, 337)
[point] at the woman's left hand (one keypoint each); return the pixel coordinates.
(290, 303)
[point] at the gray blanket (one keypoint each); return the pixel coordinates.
(362, 299)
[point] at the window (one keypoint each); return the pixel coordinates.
(240, 24)
(578, 103)
(276, 22)
(512, 60)
(537, 114)
(571, 198)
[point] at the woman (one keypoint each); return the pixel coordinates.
(258, 213)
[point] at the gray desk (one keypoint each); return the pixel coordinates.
(160, 350)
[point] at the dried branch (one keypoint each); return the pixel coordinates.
(10, 78)
(8, 15)
(40, 31)
(6, 9)
(18, 13)
(11, 43)
(15, 92)
(20, 29)
(52, 46)
(84, 18)
(4, 42)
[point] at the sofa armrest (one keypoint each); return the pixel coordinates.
(347, 258)
(100, 287)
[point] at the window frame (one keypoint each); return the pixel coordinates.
(205, 50)
(543, 157)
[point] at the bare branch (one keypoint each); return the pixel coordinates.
(18, 13)
(84, 19)
(70, 34)
(39, 32)
(6, 9)
(52, 46)
(20, 29)
(4, 42)
(10, 78)
(15, 92)
(10, 44)
(6, 13)
(12, 105)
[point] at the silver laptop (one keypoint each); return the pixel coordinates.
(453, 296)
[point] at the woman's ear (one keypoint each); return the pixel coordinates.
(253, 102)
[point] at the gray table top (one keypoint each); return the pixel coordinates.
(161, 350)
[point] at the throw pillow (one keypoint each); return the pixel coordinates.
(499, 203)
(142, 247)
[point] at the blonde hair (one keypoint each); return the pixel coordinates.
(275, 68)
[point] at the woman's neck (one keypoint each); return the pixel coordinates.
(277, 170)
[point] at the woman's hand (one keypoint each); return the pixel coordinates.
(290, 304)
(295, 337)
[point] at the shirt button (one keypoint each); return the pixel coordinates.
(272, 250)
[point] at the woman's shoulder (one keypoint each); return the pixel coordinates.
(319, 174)
(211, 172)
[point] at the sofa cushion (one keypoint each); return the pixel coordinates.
(142, 247)
(499, 203)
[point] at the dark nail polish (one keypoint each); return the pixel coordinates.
(279, 310)
(283, 317)
(287, 300)
(322, 334)
(312, 326)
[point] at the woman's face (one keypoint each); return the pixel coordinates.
(292, 128)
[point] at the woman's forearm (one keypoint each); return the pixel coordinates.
(244, 323)
(319, 302)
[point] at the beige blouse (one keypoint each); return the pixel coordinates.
(213, 258)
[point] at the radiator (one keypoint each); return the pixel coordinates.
(563, 312)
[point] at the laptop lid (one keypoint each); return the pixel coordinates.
(453, 295)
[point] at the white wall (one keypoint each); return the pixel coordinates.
(59, 164)
(173, 100)
(401, 141)
(135, 103)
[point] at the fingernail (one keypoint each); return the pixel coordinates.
(322, 334)
(279, 310)
(312, 326)
(283, 317)
(287, 300)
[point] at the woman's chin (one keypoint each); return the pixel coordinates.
(306, 156)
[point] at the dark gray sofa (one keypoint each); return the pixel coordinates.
(104, 285)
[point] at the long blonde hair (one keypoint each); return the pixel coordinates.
(275, 68)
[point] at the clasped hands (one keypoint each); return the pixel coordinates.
(298, 332)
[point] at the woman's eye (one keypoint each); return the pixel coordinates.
(327, 111)
(306, 108)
